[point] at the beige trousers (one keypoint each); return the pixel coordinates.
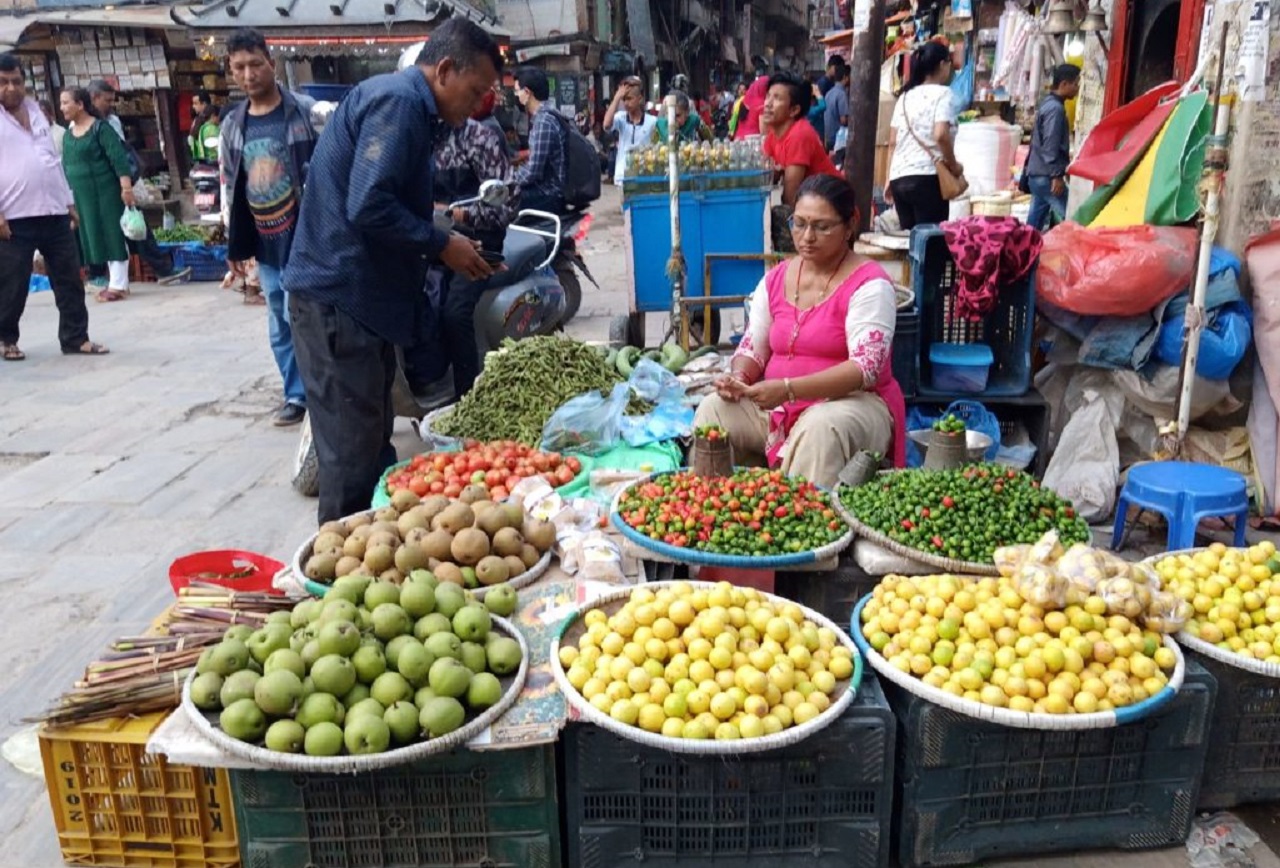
(823, 440)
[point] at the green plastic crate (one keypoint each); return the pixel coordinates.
(466, 808)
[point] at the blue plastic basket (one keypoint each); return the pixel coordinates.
(206, 261)
(1006, 330)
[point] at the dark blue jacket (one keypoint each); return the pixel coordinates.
(365, 233)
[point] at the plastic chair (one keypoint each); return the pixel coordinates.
(1184, 493)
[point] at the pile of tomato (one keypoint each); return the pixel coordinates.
(753, 512)
(498, 466)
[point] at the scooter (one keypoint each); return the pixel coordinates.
(205, 180)
(524, 299)
(207, 183)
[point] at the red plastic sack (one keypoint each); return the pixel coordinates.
(1115, 271)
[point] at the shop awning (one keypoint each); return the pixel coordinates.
(11, 30)
(143, 17)
(268, 15)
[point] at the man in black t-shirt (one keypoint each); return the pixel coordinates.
(266, 147)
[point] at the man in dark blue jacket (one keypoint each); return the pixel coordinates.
(365, 237)
(1050, 151)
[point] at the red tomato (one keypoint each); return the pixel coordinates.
(436, 487)
(550, 478)
(498, 493)
(418, 486)
(493, 478)
(564, 475)
(511, 482)
(573, 464)
(453, 489)
(540, 462)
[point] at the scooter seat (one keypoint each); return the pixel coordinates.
(521, 253)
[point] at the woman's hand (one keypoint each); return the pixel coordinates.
(126, 195)
(729, 387)
(767, 394)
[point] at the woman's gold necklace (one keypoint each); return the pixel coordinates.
(801, 315)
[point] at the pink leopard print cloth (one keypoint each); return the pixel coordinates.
(989, 252)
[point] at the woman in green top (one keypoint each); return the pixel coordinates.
(97, 168)
(204, 138)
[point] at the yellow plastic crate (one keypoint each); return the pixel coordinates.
(113, 805)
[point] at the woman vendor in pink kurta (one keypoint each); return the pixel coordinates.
(854, 323)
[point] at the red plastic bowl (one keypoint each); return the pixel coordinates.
(188, 569)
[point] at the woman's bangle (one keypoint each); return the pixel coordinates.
(786, 384)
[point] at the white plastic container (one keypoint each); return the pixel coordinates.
(988, 152)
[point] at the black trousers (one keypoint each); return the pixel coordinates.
(348, 372)
(458, 326)
(52, 236)
(918, 199)
(157, 259)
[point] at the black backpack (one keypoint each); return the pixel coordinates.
(581, 167)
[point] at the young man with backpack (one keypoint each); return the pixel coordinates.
(542, 177)
(563, 169)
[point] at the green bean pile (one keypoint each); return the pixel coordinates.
(523, 385)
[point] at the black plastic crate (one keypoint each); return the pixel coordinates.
(823, 802)
(1243, 765)
(1007, 329)
(465, 808)
(906, 351)
(971, 791)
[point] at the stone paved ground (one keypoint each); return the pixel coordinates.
(110, 467)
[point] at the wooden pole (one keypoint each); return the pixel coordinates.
(864, 107)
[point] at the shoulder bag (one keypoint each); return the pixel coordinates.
(951, 184)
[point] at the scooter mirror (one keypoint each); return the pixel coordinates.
(494, 193)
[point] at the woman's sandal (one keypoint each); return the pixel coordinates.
(88, 348)
(253, 295)
(11, 353)
(112, 295)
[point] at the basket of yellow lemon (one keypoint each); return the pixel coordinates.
(1234, 596)
(989, 648)
(703, 668)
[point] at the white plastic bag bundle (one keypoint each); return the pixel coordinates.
(133, 224)
(1085, 468)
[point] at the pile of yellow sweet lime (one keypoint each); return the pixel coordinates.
(1234, 594)
(980, 639)
(702, 662)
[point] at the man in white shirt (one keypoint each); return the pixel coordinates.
(37, 213)
(633, 125)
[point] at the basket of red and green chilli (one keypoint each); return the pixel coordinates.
(754, 518)
(963, 514)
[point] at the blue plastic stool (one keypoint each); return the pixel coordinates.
(1184, 493)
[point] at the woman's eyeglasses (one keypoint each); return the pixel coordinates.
(822, 230)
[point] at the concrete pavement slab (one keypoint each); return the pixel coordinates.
(49, 478)
(132, 480)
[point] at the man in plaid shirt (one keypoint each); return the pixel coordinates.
(541, 178)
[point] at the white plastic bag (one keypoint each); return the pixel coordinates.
(133, 224)
(1085, 468)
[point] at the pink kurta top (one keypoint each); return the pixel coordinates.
(855, 323)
